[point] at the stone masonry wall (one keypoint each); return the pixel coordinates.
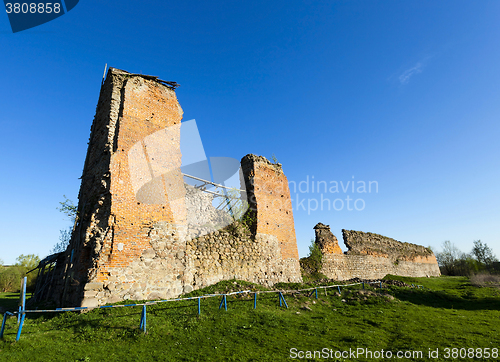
(360, 243)
(373, 256)
(344, 267)
(233, 252)
(142, 233)
(222, 255)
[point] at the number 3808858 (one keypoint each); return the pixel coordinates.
(33, 8)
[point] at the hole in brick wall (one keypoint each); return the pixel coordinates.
(123, 149)
(164, 207)
(138, 203)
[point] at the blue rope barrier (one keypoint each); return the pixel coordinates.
(22, 310)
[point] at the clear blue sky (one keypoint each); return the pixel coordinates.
(404, 93)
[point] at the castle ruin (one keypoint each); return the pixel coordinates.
(143, 233)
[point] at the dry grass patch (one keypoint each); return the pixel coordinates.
(485, 280)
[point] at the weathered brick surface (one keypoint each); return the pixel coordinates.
(111, 242)
(327, 242)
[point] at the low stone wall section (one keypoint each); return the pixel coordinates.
(372, 256)
(344, 267)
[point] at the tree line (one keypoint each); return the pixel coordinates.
(11, 275)
(452, 261)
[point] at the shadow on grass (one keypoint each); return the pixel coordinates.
(9, 301)
(442, 299)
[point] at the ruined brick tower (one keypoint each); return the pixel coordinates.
(269, 197)
(133, 239)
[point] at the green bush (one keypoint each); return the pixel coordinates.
(10, 278)
(454, 262)
(311, 265)
(315, 255)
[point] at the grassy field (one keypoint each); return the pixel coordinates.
(448, 312)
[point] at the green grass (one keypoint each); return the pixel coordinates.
(9, 301)
(447, 312)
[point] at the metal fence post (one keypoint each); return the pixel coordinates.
(143, 319)
(22, 308)
(282, 298)
(5, 315)
(223, 302)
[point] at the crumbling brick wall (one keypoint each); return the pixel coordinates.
(133, 238)
(326, 241)
(269, 197)
(372, 256)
